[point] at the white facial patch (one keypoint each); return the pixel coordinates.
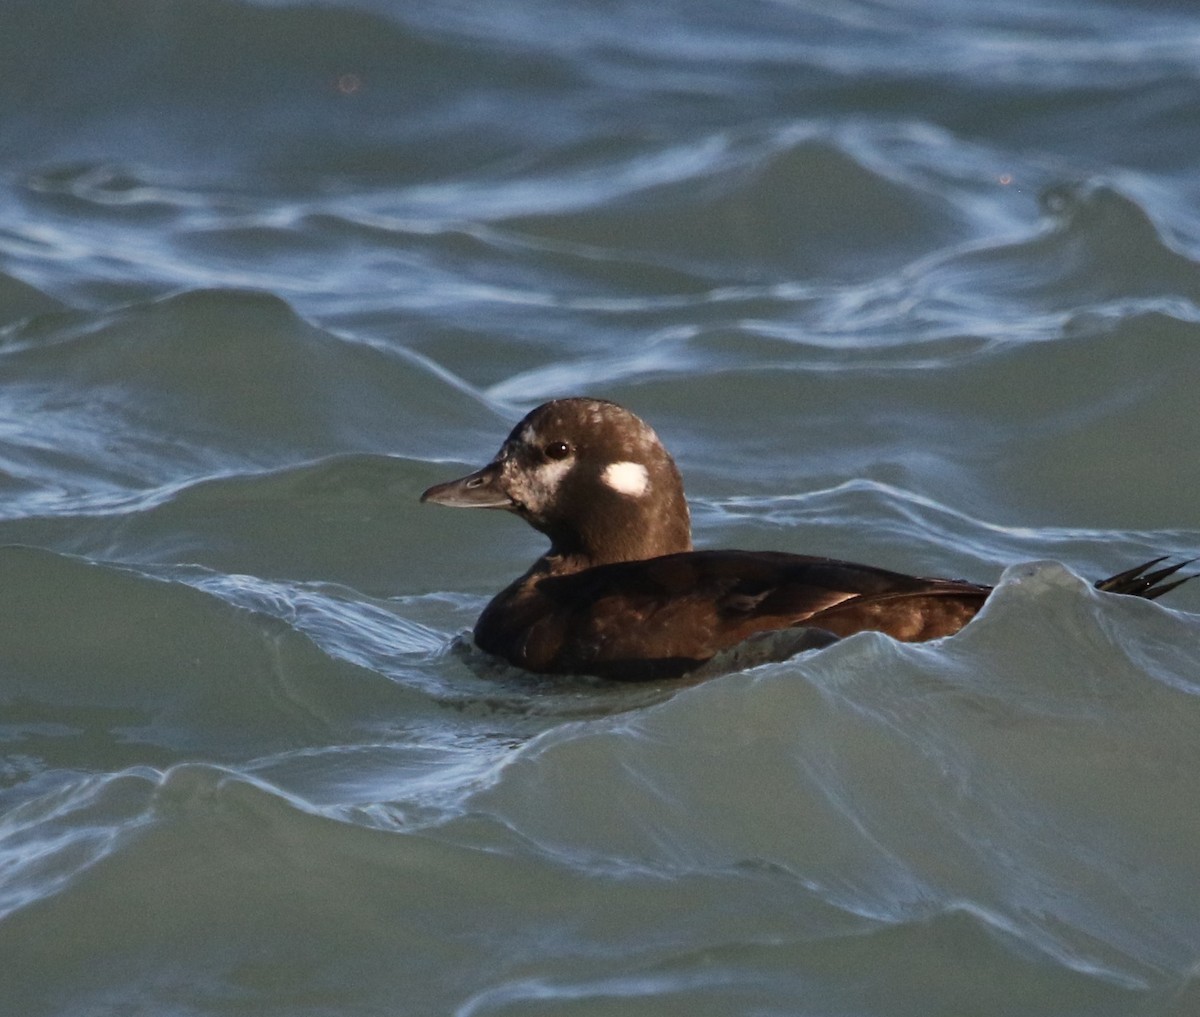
(626, 478)
(550, 474)
(543, 482)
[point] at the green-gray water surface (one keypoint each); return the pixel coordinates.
(911, 283)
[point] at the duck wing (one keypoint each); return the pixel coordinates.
(665, 616)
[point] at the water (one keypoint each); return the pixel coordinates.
(916, 284)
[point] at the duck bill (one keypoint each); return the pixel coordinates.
(481, 489)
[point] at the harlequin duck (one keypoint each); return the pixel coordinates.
(621, 594)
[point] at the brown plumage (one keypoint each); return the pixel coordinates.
(621, 594)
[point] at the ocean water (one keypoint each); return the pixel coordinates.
(911, 282)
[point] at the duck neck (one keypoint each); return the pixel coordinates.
(633, 534)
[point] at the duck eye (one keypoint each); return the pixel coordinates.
(557, 450)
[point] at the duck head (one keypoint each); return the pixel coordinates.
(591, 476)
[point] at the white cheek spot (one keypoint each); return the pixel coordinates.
(626, 478)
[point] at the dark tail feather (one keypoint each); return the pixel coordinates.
(1137, 582)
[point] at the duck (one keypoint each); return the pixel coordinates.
(622, 594)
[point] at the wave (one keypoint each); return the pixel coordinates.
(111, 667)
(308, 522)
(19, 300)
(310, 907)
(914, 284)
(1099, 249)
(1018, 765)
(791, 205)
(316, 87)
(210, 381)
